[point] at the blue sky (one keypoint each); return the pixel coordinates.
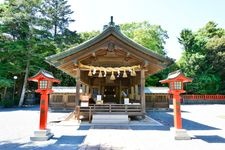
(172, 15)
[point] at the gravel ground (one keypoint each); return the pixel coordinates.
(204, 123)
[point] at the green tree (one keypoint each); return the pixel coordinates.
(203, 58)
(20, 21)
(216, 58)
(149, 36)
(26, 36)
(57, 14)
(84, 36)
(152, 37)
(56, 17)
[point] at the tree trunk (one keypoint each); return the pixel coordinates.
(24, 84)
(55, 30)
(4, 94)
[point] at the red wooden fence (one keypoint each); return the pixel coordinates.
(203, 97)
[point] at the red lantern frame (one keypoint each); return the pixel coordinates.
(44, 89)
(173, 79)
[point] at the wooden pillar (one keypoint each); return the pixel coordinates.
(136, 91)
(120, 95)
(143, 90)
(77, 87)
(87, 89)
(132, 92)
(83, 88)
(177, 111)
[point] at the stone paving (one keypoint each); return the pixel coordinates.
(204, 123)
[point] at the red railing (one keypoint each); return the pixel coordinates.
(203, 97)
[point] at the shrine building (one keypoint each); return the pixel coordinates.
(111, 70)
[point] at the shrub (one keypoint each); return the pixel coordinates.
(7, 103)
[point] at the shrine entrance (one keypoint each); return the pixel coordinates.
(111, 94)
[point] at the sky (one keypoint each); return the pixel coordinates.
(171, 15)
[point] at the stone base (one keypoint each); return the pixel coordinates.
(180, 134)
(41, 135)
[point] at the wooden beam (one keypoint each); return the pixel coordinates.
(146, 63)
(75, 62)
(127, 55)
(143, 90)
(93, 54)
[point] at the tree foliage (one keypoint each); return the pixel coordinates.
(56, 17)
(149, 36)
(26, 35)
(84, 36)
(203, 58)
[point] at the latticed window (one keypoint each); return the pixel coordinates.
(57, 98)
(43, 84)
(71, 98)
(171, 85)
(177, 85)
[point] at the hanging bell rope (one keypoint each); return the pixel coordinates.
(131, 69)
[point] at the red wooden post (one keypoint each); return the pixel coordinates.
(43, 110)
(177, 111)
(175, 81)
(45, 80)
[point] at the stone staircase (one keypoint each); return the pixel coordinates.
(109, 118)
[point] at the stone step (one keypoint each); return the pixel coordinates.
(110, 118)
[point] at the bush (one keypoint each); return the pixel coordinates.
(7, 103)
(16, 100)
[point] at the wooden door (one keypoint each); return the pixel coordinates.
(110, 94)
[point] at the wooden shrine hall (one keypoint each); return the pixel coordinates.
(111, 70)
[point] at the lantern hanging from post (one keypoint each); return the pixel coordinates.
(176, 81)
(45, 80)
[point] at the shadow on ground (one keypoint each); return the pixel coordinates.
(210, 138)
(167, 119)
(63, 142)
(23, 108)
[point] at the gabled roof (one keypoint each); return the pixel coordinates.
(43, 74)
(108, 30)
(176, 75)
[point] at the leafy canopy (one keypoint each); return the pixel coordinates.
(204, 58)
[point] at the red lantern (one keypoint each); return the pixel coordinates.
(45, 80)
(176, 82)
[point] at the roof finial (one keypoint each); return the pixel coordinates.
(111, 19)
(111, 23)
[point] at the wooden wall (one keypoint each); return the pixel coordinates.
(67, 101)
(157, 101)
